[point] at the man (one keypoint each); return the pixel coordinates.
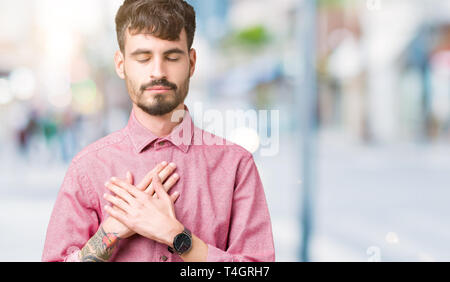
(217, 210)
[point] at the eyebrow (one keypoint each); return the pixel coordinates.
(149, 52)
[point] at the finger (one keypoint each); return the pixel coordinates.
(145, 182)
(159, 189)
(120, 192)
(171, 182)
(163, 175)
(129, 178)
(150, 190)
(174, 197)
(117, 202)
(127, 187)
(117, 214)
(155, 181)
(167, 172)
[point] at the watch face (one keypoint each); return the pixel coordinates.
(182, 243)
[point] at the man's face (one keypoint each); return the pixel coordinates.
(156, 71)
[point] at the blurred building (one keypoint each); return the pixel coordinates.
(383, 110)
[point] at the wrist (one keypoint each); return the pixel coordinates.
(175, 229)
(110, 225)
(100, 247)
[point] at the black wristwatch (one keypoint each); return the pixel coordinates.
(182, 242)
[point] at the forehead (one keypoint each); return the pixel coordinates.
(151, 42)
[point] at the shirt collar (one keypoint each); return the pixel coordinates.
(142, 137)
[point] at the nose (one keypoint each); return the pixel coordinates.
(157, 69)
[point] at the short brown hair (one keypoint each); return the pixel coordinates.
(164, 19)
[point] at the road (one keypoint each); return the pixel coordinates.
(371, 203)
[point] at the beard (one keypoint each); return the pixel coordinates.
(161, 103)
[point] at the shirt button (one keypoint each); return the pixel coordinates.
(163, 258)
(162, 143)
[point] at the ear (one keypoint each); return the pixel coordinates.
(192, 60)
(119, 64)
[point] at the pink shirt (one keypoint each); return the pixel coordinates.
(221, 201)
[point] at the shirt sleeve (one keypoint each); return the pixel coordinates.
(73, 220)
(250, 235)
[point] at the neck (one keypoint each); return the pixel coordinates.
(161, 126)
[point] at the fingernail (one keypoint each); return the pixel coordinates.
(173, 165)
(104, 195)
(113, 178)
(164, 163)
(175, 175)
(106, 183)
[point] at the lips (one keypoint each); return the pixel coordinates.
(158, 88)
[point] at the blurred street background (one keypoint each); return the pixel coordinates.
(363, 93)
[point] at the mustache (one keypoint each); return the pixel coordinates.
(159, 82)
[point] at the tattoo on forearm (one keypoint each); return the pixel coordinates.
(100, 247)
